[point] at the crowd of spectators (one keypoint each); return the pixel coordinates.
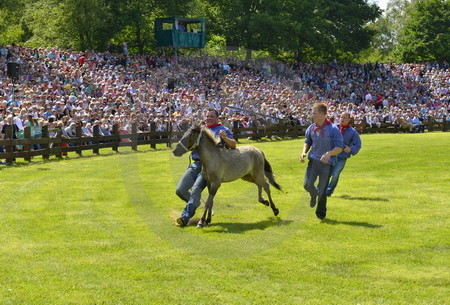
(63, 89)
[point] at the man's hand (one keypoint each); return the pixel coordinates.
(302, 157)
(223, 134)
(325, 157)
(347, 149)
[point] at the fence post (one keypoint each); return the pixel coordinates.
(282, 128)
(235, 132)
(153, 137)
(96, 133)
(169, 137)
(45, 154)
(58, 138)
(254, 129)
(134, 138)
(9, 148)
(430, 123)
(79, 143)
(115, 131)
(27, 147)
(444, 123)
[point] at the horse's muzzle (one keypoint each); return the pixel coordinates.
(178, 151)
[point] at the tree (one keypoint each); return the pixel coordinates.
(137, 16)
(387, 29)
(251, 24)
(426, 32)
(340, 28)
(76, 24)
(11, 12)
(308, 30)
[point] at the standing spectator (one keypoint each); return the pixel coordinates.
(33, 124)
(69, 131)
(125, 49)
(9, 122)
(352, 145)
(82, 59)
(325, 142)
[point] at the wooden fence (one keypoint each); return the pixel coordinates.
(431, 124)
(59, 146)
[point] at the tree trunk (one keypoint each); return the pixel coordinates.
(139, 39)
(249, 55)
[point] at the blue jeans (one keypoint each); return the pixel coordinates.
(194, 181)
(318, 169)
(335, 172)
(37, 146)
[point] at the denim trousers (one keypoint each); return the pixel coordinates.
(335, 172)
(322, 171)
(193, 181)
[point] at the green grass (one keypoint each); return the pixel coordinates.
(101, 230)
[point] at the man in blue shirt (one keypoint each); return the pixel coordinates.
(192, 178)
(352, 145)
(323, 141)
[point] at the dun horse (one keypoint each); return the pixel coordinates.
(226, 165)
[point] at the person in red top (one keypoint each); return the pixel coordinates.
(352, 145)
(82, 59)
(323, 141)
(192, 179)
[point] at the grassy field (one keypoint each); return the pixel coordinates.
(101, 230)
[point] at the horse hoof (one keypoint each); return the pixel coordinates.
(276, 212)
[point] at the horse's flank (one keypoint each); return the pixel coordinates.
(228, 164)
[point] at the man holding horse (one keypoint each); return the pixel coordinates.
(324, 141)
(192, 179)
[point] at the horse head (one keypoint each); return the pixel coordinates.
(189, 141)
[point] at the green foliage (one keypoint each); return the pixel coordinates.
(11, 33)
(135, 25)
(10, 21)
(45, 20)
(387, 29)
(216, 46)
(88, 23)
(308, 30)
(101, 230)
(75, 24)
(426, 32)
(341, 28)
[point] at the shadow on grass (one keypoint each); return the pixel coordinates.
(237, 228)
(351, 223)
(347, 197)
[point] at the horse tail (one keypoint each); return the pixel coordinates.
(269, 174)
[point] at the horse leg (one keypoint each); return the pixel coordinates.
(202, 221)
(263, 183)
(206, 218)
(260, 197)
(207, 214)
(251, 179)
(272, 205)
